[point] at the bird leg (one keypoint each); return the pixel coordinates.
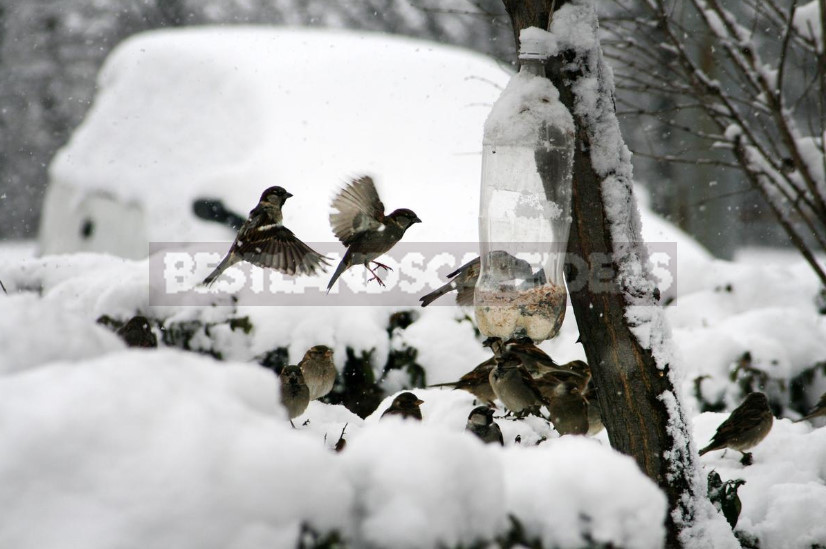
(292, 424)
(382, 265)
(375, 276)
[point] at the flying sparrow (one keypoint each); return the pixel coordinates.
(818, 411)
(359, 222)
(137, 332)
(515, 387)
(295, 396)
(319, 370)
(264, 241)
(476, 382)
(405, 405)
(480, 423)
(747, 425)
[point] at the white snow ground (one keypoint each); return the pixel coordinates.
(104, 447)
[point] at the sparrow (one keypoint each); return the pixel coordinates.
(548, 382)
(580, 368)
(595, 424)
(264, 241)
(502, 266)
(405, 405)
(480, 423)
(476, 382)
(504, 272)
(534, 359)
(295, 396)
(818, 411)
(358, 221)
(463, 280)
(568, 408)
(319, 370)
(747, 425)
(137, 332)
(495, 344)
(515, 387)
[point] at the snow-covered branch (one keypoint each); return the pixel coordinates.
(757, 73)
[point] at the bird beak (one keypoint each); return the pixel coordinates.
(287, 195)
(418, 402)
(417, 220)
(328, 354)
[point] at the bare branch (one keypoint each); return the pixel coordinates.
(784, 50)
(693, 161)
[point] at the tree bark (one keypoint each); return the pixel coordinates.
(628, 380)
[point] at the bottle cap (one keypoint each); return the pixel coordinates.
(535, 43)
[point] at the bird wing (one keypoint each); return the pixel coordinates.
(276, 247)
(473, 263)
(529, 382)
(356, 208)
(532, 352)
(740, 420)
(465, 278)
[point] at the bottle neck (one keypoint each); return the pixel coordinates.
(532, 65)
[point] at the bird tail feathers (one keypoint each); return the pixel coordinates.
(225, 263)
(436, 294)
(342, 266)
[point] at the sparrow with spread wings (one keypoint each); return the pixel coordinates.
(264, 241)
(359, 222)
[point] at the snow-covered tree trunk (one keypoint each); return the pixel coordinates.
(622, 326)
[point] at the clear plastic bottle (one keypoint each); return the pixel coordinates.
(525, 209)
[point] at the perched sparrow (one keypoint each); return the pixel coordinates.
(747, 425)
(265, 242)
(295, 396)
(548, 383)
(579, 368)
(534, 359)
(515, 387)
(319, 370)
(138, 333)
(503, 266)
(359, 222)
(563, 390)
(476, 382)
(463, 280)
(405, 405)
(818, 411)
(595, 424)
(495, 344)
(480, 423)
(569, 409)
